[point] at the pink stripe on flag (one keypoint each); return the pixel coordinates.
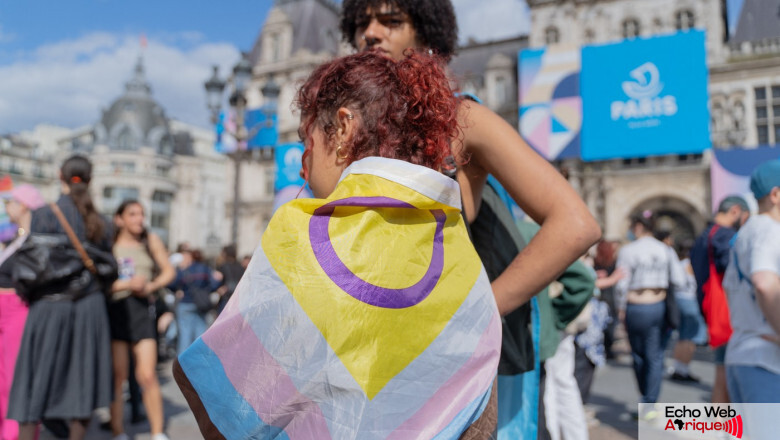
(473, 378)
(262, 381)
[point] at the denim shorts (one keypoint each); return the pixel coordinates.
(692, 326)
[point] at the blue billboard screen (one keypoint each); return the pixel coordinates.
(645, 97)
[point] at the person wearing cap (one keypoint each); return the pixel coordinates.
(651, 269)
(733, 212)
(19, 204)
(752, 284)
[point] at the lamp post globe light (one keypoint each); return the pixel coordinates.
(240, 80)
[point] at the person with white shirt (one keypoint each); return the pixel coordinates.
(752, 284)
(651, 268)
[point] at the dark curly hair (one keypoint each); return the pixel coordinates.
(433, 20)
(404, 109)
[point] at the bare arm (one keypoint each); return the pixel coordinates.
(492, 146)
(160, 256)
(609, 281)
(767, 285)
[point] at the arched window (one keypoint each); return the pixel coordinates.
(631, 28)
(125, 140)
(717, 117)
(551, 35)
(738, 134)
(276, 47)
(684, 20)
(502, 90)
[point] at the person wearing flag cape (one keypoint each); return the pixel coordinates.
(365, 312)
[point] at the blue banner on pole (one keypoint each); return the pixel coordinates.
(225, 140)
(289, 183)
(263, 129)
(645, 97)
(288, 165)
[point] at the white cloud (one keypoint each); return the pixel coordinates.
(493, 20)
(68, 83)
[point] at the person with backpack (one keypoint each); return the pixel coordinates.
(193, 285)
(144, 268)
(709, 259)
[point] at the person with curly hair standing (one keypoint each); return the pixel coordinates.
(486, 145)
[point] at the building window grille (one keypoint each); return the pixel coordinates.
(123, 167)
(684, 20)
(551, 35)
(160, 214)
(113, 196)
(767, 105)
(631, 28)
(763, 134)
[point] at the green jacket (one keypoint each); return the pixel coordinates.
(556, 313)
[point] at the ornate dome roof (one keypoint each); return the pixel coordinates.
(135, 119)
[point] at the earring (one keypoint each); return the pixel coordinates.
(338, 151)
(350, 116)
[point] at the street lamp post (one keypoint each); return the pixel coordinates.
(242, 75)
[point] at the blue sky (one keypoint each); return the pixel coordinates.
(27, 25)
(62, 61)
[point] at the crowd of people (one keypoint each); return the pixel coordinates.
(499, 338)
(71, 348)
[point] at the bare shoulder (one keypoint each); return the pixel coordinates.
(155, 242)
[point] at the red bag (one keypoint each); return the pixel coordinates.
(715, 305)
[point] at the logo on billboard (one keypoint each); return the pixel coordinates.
(644, 93)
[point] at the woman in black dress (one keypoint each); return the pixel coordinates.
(63, 370)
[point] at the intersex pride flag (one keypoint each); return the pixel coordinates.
(365, 315)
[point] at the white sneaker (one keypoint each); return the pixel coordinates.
(160, 436)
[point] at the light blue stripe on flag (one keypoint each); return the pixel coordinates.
(227, 409)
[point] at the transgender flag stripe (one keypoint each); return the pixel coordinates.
(235, 420)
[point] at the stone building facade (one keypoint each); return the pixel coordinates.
(137, 152)
(744, 87)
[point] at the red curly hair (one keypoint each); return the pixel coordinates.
(405, 109)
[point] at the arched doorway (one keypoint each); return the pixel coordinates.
(675, 216)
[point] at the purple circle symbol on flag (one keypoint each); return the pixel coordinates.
(360, 289)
